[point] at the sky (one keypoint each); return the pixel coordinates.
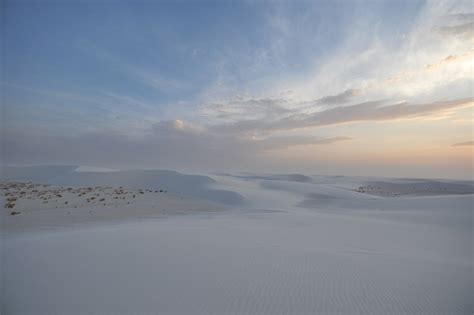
(370, 88)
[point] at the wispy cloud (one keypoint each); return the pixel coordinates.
(63, 95)
(198, 147)
(151, 78)
(156, 80)
(340, 98)
(368, 111)
(465, 30)
(242, 108)
(462, 16)
(277, 143)
(450, 59)
(459, 144)
(458, 25)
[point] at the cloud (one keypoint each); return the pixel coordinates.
(450, 59)
(245, 107)
(340, 98)
(237, 106)
(376, 111)
(151, 78)
(467, 143)
(174, 127)
(367, 111)
(465, 30)
(172, 144)
(276, 143)
(459, 25)
(177, 130)
(157, 81)
(462, 16)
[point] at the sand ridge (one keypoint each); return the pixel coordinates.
(30, 205)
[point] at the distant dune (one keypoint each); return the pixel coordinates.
(42, 173)
(195, 186)
(286, 177)
(29, 206)
(417, 187)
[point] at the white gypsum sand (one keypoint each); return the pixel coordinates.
(298, 245)
(30, 206)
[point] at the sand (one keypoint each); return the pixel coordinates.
(298, 245)
(196, 186)
(30, 206)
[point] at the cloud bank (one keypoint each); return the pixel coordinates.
(314, 84)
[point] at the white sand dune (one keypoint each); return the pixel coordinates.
(41, 173)
(31, 206)
(283, 177)
(304, 246)
(196, 186)
(416, 187)
(85, 168)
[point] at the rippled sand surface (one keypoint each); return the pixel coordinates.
(338, 252)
